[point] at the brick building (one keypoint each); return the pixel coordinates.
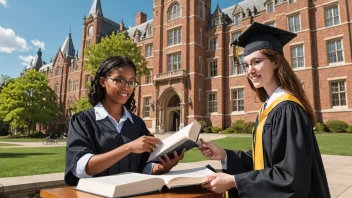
(192, 75)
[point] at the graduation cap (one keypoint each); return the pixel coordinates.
(259, 36)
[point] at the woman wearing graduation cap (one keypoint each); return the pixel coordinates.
(109, 139)
(285, 160)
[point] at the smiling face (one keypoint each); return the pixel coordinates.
(114, 93)
(263, 72)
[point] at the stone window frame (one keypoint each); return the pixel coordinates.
(338, 92)
(333, 21)
(146, 106)
(175, 38)
(171, 66)
(212, 103)
(211, 45)
(174, 11)
(295, 29)
(212, 72)
(336, 51)
(237, 100)
(149, 50)
(296, 52)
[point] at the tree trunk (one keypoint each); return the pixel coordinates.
(29, 128)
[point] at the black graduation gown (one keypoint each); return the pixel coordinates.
(86, 135)
(292, 162)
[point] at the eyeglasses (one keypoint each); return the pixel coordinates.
(122, 83)
(255, 63)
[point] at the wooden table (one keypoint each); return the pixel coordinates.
(185, 192)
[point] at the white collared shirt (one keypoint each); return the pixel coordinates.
(101, 113)
(277, 93)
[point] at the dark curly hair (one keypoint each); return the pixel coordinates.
(97, 92)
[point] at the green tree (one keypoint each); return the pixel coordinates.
(116, 44)
(81, 105)
(28, 100)
(4, 127)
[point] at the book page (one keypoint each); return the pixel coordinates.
(192, 129)
(185, 177)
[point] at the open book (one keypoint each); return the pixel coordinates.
(127, 184)
(184, 138)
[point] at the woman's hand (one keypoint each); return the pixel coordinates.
(143, 144)
(167, 164)
(210, 150)
(219, 182)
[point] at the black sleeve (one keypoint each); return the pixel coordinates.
(238, 162)
(145, 155)
(79, 143)
(290, 155)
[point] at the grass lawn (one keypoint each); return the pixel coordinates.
(33, 161)
(26, 140)
(4, 144)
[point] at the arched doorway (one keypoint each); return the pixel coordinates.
(170, 110)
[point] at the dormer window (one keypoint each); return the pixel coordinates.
(237, 19)
(215, 21)
(149, 32)
(174, 12)
(270, 7)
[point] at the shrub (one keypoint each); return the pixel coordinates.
(349, 129)
(319, 127)
(202, 123)
(336, 126)
(207, 129)
(215, 129)
(37, 134)
(239, 126)
(227, 131)
(249, 127)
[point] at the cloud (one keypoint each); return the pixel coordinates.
(9, 42)
(26, 59)
(4, 3)
(38, 44)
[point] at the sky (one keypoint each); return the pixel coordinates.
(27, 25)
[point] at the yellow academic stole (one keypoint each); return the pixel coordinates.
(257, 146)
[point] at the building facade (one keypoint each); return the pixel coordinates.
(192, 74)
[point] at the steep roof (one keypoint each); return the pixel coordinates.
(96, 8)
(67, 47)
(141, 27)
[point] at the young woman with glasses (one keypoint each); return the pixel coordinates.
(285, 160)
(109, 139)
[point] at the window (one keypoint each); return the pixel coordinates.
(236, 69)
(75, 85)
(215, 21)
(297, 56)
(149, 32)
(293, 23)
(213, 68)
(147, 106)
(174, 12)
(69, 85)
(149, 50)
(213, 44)
(57, 71)
(56, 87)
(237, 19)
(149, 78)
(212, 103)
(270, 7)
(200, 65)
(235, 36)
(271, 23)
(174, 37)
(174, 62)
(74, 67)
(335, 51)
(201, 9)
(332, 16)
(291, 1)
(200, 37)
(237, 100)
(338, 93)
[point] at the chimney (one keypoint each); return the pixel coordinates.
(141, 17)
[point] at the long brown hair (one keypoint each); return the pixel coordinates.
(287, 80)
